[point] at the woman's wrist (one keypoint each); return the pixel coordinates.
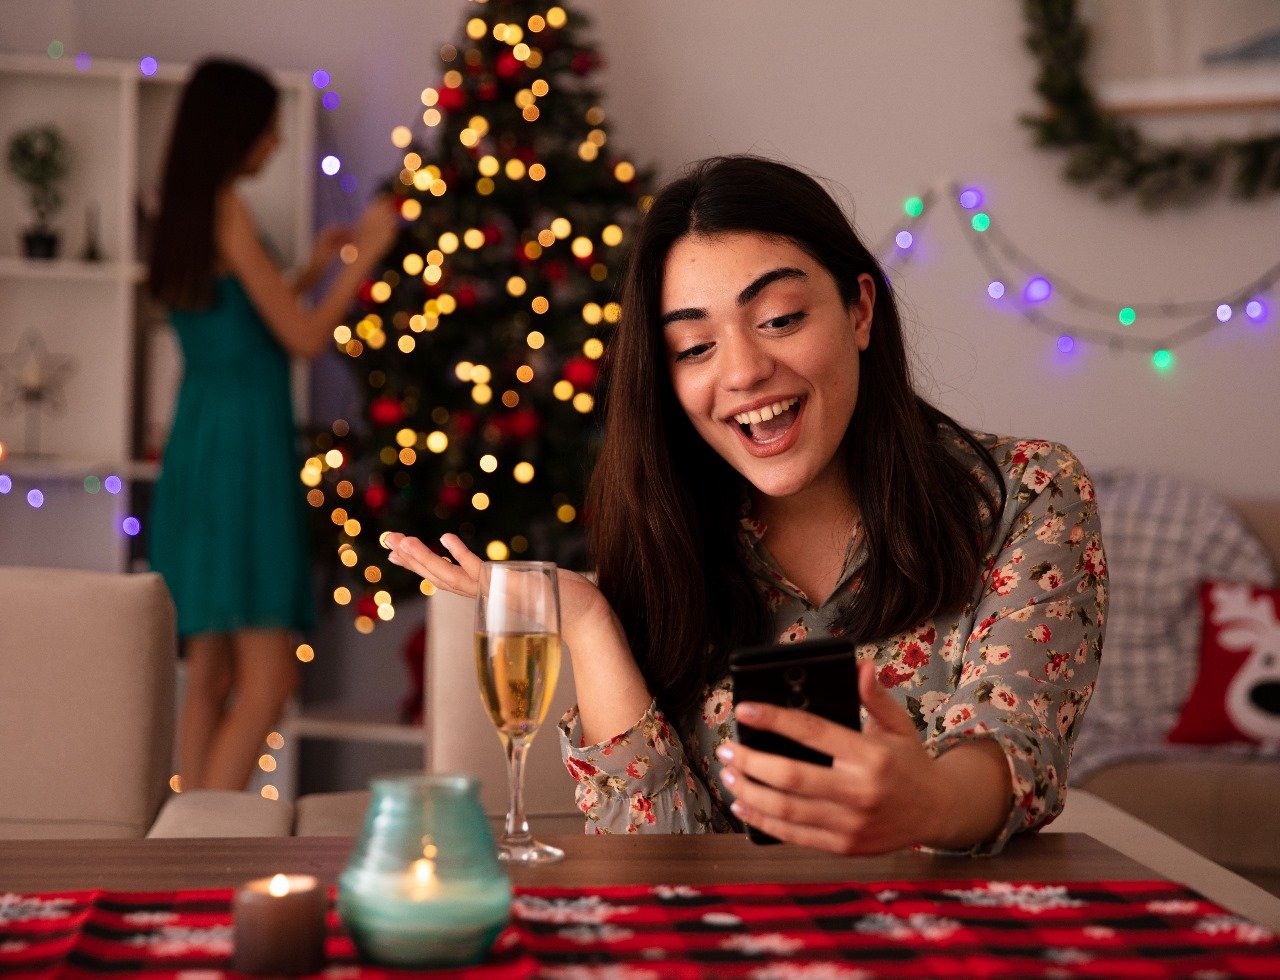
(973, 796)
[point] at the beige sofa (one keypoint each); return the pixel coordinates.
(1222, 804)
(87, 714)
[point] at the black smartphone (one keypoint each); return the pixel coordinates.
(819, 676)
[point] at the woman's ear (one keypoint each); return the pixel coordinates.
(860, 311)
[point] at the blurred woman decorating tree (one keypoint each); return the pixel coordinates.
(228, 526)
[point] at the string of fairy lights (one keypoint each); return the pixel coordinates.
(1019, 284)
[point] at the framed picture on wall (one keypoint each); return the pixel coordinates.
(1187, 58)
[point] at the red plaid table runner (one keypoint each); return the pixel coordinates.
(916, 929)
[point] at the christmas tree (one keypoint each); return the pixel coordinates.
(477, 345)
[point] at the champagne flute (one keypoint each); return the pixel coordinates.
(517, 663)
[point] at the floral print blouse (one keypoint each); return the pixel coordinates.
(1018, 663)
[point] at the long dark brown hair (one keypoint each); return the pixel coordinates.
(225, 109)
(664, 506)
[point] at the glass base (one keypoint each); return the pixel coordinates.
(526, 850)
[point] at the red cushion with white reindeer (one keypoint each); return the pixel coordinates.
(1236, 697)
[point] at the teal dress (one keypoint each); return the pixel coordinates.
(228, 523)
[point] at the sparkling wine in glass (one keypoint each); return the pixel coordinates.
(517, 663)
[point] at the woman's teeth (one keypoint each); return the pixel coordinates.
(765, 413)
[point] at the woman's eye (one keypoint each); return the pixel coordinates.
(690, 352)
(782, 322)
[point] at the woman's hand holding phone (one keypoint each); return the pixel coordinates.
(880, 793)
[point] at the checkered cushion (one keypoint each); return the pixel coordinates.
(1163, 537)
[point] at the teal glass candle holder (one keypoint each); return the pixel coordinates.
(424, 887)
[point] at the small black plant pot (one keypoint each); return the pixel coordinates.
(40, 244)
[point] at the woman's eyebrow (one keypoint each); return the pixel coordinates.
(752, 290)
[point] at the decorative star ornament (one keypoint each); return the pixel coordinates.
(32, 376)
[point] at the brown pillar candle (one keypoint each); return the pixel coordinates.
(278, 925)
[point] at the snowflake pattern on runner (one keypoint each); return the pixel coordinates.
(1173, 906)
(768, 943)
(587, 909)
(589, 934)
(1026, 897)
(671, 892)
(16, 908)
(150, 918)
(918, 925)
(724, 920)
(170, 941)
(1234, 926)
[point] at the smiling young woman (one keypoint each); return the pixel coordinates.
(768, 473)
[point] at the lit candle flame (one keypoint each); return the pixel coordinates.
(279, 886)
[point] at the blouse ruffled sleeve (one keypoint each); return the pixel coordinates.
(1028, 669)
(639, 781)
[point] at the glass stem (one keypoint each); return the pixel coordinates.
(517, 825)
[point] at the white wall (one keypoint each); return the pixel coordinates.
(885, 98)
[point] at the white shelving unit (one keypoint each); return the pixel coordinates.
(117, 122)
(117, 400)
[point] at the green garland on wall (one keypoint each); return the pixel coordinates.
(1113, 155)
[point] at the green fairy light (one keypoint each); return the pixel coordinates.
(981, 221)
(913, 207)
(92, 484)
(56, 49)
(1162, 361)
(1127, 316)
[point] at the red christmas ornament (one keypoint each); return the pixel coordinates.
(451, 497)
(464, 423)
(450, 98)
(506, 66)
(581, 372)
(523, 423)
(366, 291)
(376, 496)
(466, 295)
(584, 63)
(365, 606)
(386, 410)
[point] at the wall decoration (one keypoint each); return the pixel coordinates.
(32, 377)
(1112, 155)
(1017, 283)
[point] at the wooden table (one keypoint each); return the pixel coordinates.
(173, 864)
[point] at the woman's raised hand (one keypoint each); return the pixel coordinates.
(578, 595)
(460, 579)
(377, 228)
(883, 789)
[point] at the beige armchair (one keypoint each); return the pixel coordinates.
(87, 677)
(86, 702)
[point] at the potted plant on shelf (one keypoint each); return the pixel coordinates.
(39, 158)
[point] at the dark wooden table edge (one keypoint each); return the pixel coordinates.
(172, 864)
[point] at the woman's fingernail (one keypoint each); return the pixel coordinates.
(727, 777)
(738, 809)
(404, 545)
(725, 752)
(746, 712)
